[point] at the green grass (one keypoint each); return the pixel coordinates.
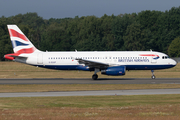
(19, 70)
(88, 101)
(138, 107)
(81, 87)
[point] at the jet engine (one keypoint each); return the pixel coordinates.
(116, 70)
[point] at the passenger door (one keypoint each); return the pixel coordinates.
(39, 58)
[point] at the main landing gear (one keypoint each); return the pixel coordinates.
(153, 76)
(95, 76)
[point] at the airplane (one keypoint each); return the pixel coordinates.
(114, 63)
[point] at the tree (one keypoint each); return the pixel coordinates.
(119, 26)
(148, 19)
(174, 48)
(136, 38)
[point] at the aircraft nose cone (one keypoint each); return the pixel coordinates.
(173, 62)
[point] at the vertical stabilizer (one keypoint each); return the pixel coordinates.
(20, 42)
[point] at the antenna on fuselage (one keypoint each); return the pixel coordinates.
(75, 50)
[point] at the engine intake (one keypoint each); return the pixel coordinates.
(116, 70)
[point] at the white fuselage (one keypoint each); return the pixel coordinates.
(133, 60)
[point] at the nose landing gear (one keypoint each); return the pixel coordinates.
(95, 76)
(153, 76)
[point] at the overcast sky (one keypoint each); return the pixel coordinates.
(71, 8)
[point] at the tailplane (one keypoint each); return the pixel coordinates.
(21, 44)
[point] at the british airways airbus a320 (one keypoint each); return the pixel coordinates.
(108, 63)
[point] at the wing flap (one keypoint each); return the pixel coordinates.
(93, 64)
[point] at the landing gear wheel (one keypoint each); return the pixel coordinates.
(153, 77)
(94, 77)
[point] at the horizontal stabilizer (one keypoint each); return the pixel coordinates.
(13, 56)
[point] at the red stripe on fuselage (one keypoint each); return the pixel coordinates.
(148, 55)
(14, 33)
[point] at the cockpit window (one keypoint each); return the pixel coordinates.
(165, 57)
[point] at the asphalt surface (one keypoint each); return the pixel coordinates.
(90, 81)
(94, 93)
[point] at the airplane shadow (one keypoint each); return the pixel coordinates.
(99, 79)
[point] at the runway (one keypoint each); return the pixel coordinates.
(94, 93)
(90, 81)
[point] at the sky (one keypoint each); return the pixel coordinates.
(71, 8)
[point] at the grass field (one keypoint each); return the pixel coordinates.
(139, 107)
(19, 70)
(81, 87)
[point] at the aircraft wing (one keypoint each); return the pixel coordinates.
(93, 64)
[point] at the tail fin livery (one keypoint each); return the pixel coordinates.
(20, 43)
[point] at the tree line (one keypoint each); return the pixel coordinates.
(125, 32)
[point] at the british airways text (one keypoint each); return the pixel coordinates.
(133, 60)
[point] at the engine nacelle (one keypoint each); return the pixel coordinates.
(116, 70)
